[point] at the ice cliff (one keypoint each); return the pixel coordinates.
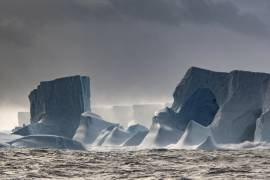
(56, 106)
(233, 106)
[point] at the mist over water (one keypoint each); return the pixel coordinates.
(124, 114)
(9, 115)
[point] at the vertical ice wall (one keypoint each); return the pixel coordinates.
(56, 106)
(243, 98)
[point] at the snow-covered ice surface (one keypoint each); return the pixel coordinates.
(91, 125)
(119, 136)
(142, 164)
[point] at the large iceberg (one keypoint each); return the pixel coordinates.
(56, 106)
(240, 98)
(238, 111)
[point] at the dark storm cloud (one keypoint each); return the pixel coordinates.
(175, 12)
(21, 19)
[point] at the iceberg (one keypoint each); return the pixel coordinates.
(56, 106)
(230, 108)
(242, 98)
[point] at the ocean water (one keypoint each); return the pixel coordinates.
(139, 164)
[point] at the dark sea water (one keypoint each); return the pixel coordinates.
(142, 164)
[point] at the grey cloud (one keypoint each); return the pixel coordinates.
(13, 32)
(176, 12)
(226, 14)
(35, 14)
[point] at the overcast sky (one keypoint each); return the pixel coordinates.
(134, 50)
